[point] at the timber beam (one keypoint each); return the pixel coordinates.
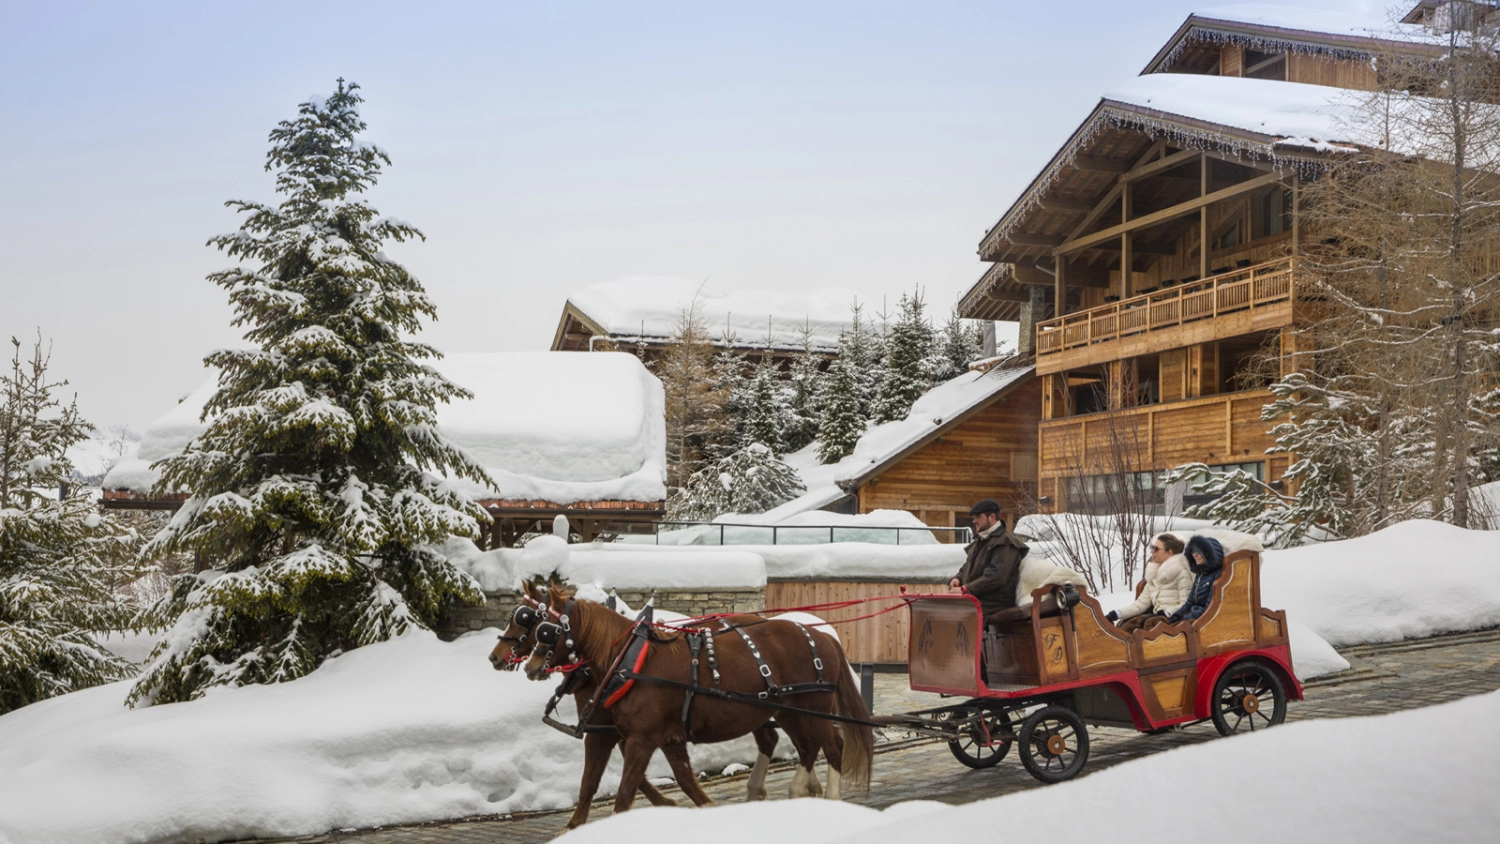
(1028, 239)
(1096, 239)
(1100, 165)
(1170, 162)
(1072, 206)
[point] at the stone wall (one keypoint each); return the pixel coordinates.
(499, 605)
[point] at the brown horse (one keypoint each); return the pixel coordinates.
(650, 715)
(516, 643)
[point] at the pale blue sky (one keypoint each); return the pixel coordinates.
(542, 147)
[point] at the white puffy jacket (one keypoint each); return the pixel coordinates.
(1167, 588)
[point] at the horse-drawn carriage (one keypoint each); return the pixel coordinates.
(1039, 682)
(1035, 682)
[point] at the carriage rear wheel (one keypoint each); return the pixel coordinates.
(986, 744)
(1054, 744)
(1248, 696)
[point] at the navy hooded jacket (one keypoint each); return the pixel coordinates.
(1203, 576)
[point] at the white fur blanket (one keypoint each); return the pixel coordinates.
(1037, 572)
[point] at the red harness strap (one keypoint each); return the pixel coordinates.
(640, 660)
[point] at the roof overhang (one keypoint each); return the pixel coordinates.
(1270, 38)
(1015, 235)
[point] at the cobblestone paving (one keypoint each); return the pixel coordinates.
(1383, 678)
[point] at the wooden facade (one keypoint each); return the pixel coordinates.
(1154, 265)
(989, 452)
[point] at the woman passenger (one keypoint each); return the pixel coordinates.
(1168, 584)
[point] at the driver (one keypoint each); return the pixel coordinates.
(992, 567)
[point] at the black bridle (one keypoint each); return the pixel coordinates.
(549, 633)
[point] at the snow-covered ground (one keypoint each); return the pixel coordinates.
(417, 729)
(1376, 779)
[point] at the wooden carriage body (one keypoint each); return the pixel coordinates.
(1148, 679)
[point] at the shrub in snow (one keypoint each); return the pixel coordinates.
(317, 490)
(752, 480)
(59, 558)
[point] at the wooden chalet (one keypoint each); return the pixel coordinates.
(1157, 252)
(588, 442)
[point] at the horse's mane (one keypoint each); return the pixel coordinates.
(599, 625)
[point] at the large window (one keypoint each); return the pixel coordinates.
(1190, 498)
(1132, 492)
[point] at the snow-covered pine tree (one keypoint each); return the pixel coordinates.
(841, 422)
(733, 389)
(59, 558)
(864, 348)
(316, 493)
(957, 346)
(909, 344)
(763, 409)
(752, 480)
(804, 396)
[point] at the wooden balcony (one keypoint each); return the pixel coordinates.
(1253, 298)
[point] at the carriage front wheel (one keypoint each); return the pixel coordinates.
(1054, 744)
(1248, 696)
(987, 743)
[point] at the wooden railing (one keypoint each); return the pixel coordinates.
(1242, 289)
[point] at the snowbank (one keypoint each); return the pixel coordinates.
(1414, 579)
(557, 426)
(1350, 779)
(400, 732)
(649, 307)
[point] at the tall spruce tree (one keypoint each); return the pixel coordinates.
(764, 408)
(317, 491)
(59, 558)
(804, 396)
(909, 346)
(841, 422)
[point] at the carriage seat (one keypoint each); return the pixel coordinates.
(1048, 605)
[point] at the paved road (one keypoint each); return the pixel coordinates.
(1384, 678)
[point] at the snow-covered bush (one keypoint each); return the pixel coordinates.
(316, 493)
(60, 560)
(752, 480)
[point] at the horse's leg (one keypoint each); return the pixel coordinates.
(832, 740)
(596, 750)
(765, 742)
(682, 768)
(804, 784)
(637, 754)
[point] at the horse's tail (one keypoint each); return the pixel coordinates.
(859, 739)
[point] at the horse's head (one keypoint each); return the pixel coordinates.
(516, 640)
(553, 636)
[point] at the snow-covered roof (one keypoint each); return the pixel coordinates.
(562, 427)
(1276, 28)
(938, 410)
(648, 308)
(1268, 115)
